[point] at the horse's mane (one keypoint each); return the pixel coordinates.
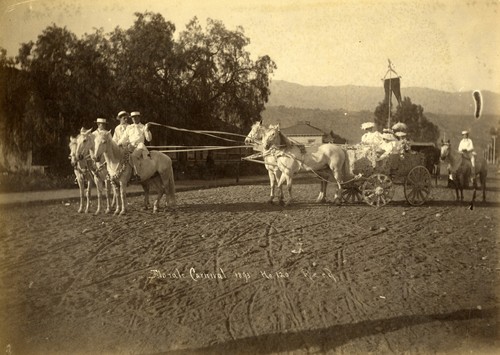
(285, 140)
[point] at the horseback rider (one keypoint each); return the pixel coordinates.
(466, 148)
(134, 135)
(120, 129)
(101, 126)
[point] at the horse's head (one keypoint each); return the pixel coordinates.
(256, 133)
(84, 143)
(271, 137)
(72, 151)
(445, 150)
(101, 141)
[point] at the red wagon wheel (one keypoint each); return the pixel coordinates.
(417, 186)
(378, 190)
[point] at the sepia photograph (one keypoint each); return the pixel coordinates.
(249, 177)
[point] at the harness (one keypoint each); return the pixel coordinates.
(121, 168)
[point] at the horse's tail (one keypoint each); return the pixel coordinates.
(346, 168)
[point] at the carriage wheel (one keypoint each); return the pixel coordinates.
(351, 193)
(417, 186)
(378, 190)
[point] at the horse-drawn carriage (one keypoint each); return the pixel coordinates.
(360, 174)
(374, 180)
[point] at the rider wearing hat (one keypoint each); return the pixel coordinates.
(466, 148)
(120, 129)
(101, 125)
(134, 135)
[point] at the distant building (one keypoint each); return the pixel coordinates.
(306, 134)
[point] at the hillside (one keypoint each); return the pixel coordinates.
(348, 124)
(358, 98)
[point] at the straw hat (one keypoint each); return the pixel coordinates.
(400, 126)
(120, 114)
(135, 113)
(367, 125)
(400, 134)
(101, 120)
(388, 137)
(465, 132)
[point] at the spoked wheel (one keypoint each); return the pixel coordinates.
(418, 186)
(378, 190)
(351, 193)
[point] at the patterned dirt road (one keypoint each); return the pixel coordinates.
(226, 273)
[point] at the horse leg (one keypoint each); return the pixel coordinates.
(99, 186)
(286, 177)
(161, 190)
(322, 192)
(145, 187)
(482, 177)
(338, 194)
(89, 187)
(272, 182)
(117, 192)
(123, 193)
(81, 187)
(106, 188)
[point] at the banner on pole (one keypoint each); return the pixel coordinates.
(392, 86)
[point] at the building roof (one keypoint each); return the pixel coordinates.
(303, 129)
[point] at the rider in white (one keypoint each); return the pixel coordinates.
(135, 134)
(467, 149)
(120, 129)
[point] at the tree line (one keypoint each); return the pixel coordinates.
(205, 79)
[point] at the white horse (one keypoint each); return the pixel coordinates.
(120, 170)
(255, 138)
(86, 170)
(292, 158)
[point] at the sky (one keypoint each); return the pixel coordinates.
(451, 45)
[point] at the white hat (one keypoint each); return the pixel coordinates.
(400, 126)
(135, 113)
(388, 137)
(101, 120)
(387, 130)
(465, 132)
(121, 113)
(367, 125)
(400, 134)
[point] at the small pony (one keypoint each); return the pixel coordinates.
(292, 158)
(460, 168)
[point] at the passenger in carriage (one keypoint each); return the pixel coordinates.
(135, 135)
(389, 146)
(403, 144)
(120, 129)
(371, 137)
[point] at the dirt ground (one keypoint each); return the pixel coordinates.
(227, 273)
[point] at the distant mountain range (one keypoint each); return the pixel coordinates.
(360, 98)
(342, 109)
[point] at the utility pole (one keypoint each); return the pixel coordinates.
(494, 148)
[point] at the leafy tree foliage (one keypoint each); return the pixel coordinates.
(204, 80)
(420, 129)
